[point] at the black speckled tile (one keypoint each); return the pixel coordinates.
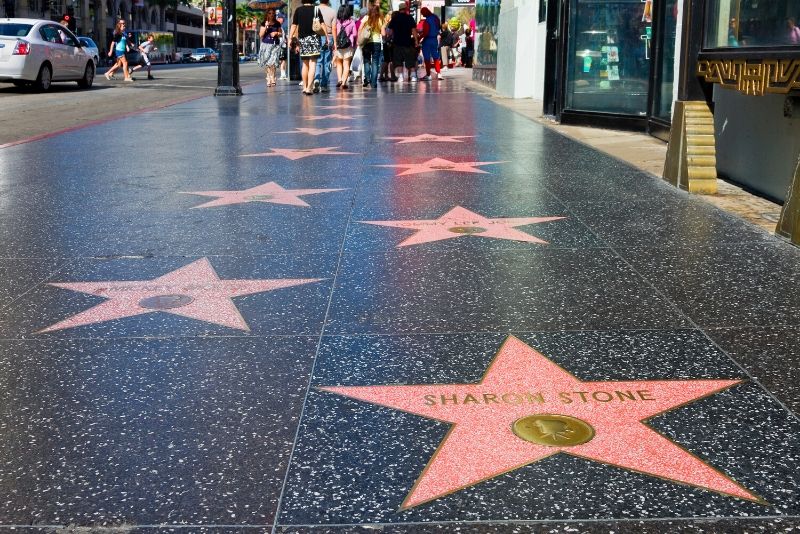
(355, 462)
(708, 526)
(666, 220)
(726, 285)
(422, 289)
(298, 309)
(770, 355)
(143, 432)
(20, 275)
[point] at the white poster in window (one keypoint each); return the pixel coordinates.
(613, 73)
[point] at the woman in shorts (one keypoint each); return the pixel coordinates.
(342, 56)
(303, 30)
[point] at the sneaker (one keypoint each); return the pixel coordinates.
(300, 84)
(413, 80)
(324, 89)
(130, 80)
(316, 86)
(399, 79)
(283, 76)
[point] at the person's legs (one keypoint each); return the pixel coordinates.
(377, 59)
(124, 67)
(305, 75)
(312, 66)
(346, 71)
(325, 61)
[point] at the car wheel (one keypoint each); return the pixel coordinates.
(44, 78)
(88, 77)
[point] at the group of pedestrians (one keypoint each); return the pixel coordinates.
(389, 46)
(123, 43)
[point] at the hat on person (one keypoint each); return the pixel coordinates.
(425, 11)
(402, 6)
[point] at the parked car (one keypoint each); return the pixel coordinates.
(39, 52)
(91, 48)
(203, 55)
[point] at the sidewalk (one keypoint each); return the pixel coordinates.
(329, 314)
(648, 154)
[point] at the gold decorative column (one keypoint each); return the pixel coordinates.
(692, 154)
(789, 223)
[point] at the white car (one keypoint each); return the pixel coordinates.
(91, 48)
(39, 52)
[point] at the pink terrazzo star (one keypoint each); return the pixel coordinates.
(193, 291)
(299, 153)
(332, 116)
(522, 384)
(439, 164)
(321, 131)
(460, 222)
(428, 138)
(269, 192)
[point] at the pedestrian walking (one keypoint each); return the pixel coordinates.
(279, 16)
(373, 29)
(387, 70)
(344, 38)
(269, 52)
(308, 41)
(405, 39)
(322, 74)
(118, 48)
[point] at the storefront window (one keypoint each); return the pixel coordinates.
(487, 15)
(743, 23)
(609, 55)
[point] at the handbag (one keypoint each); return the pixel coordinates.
(364, 35)
(316, 25)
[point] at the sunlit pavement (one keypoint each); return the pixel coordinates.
(405, 308)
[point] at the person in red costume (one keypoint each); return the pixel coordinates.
(431, 26)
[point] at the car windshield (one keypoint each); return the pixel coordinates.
(203, 50)
(10, 29)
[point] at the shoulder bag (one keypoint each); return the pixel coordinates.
(316, 25)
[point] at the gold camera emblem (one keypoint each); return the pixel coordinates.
(553, 430)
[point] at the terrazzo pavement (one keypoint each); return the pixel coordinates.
(226, 419)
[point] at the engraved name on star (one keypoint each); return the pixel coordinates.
(332, 116)
(428, 138)
(439, 164)
(270, 192)
(193, 291)
(321, 131)
(299, 153)
(526, 408)
(460, 222)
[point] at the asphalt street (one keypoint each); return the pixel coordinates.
(29, 114)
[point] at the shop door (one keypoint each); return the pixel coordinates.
(554, 56)
(663, 73)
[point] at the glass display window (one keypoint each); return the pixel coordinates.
(752, 23)
(608, 60)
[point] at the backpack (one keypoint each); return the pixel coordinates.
(342, 40)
